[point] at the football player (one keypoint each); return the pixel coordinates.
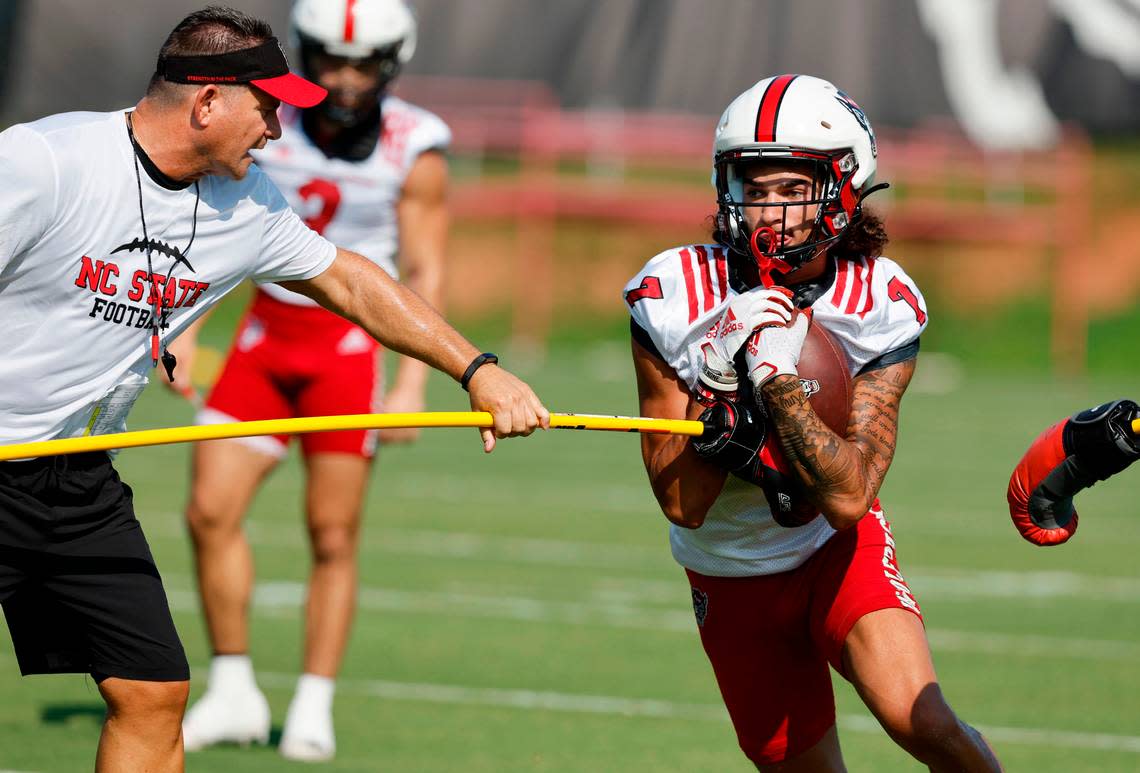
(775, 517)
(367, 170)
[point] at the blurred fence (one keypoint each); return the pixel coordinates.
(1012, 222)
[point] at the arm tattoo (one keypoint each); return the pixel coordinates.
(827, 464)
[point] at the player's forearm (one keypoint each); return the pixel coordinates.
(423, 273)
(685, 485)
(830, 469)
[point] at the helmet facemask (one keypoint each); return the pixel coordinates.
(833, 197)
(349, 108)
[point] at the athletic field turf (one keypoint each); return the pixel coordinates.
(521, 611)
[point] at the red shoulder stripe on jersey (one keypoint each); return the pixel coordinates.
(857, 286)
(840, 282)
(721, 271)
(706, 278)
(769, 108)
(870, 295)
(349, 21)
(690, 283)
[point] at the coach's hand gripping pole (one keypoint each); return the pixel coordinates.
(480, 419)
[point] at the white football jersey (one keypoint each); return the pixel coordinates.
(351, 203)
(871, 308)
(75, 292)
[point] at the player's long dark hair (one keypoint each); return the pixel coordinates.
(866, 238)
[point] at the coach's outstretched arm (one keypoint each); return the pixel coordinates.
(362, 292)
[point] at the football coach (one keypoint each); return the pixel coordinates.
(117, 230)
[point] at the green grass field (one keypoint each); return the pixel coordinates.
(521, 612)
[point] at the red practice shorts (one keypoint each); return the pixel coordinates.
(289, 361)
(770, 637)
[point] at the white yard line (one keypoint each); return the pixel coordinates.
(284, 599)
(927, 582)
(631, 707)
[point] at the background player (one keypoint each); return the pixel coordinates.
(779, 590)
(367, 170)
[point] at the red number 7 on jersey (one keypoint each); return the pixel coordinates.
(650, 288)
(897, 290)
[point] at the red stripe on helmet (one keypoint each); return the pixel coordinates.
(349, 21)
(769, 108)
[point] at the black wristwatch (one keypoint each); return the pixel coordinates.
(478, 362)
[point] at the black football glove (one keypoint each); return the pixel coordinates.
(1102, 441)
(734, 440)
(734, 434)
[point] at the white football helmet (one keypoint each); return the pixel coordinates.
(797, 118)
(379, 34)
(356, 29)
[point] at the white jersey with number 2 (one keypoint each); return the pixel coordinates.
(351, 203)
(870, 307)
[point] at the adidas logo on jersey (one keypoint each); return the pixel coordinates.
(732, 324)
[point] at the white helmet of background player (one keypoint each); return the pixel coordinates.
(384, 30)
(803, 119)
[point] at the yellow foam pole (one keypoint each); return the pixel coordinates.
(195, 433)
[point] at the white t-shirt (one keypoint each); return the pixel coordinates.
(352, 203)
(74, 289)
(870, 307)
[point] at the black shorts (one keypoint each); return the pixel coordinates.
(79, 587)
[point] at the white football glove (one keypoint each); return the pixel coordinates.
(775, 351)
(746, 313)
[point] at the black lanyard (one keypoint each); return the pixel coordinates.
(159, 308)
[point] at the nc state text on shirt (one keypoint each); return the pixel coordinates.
(99, 277)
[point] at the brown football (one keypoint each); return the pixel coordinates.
(823, 372)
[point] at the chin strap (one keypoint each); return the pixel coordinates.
(766, 262)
